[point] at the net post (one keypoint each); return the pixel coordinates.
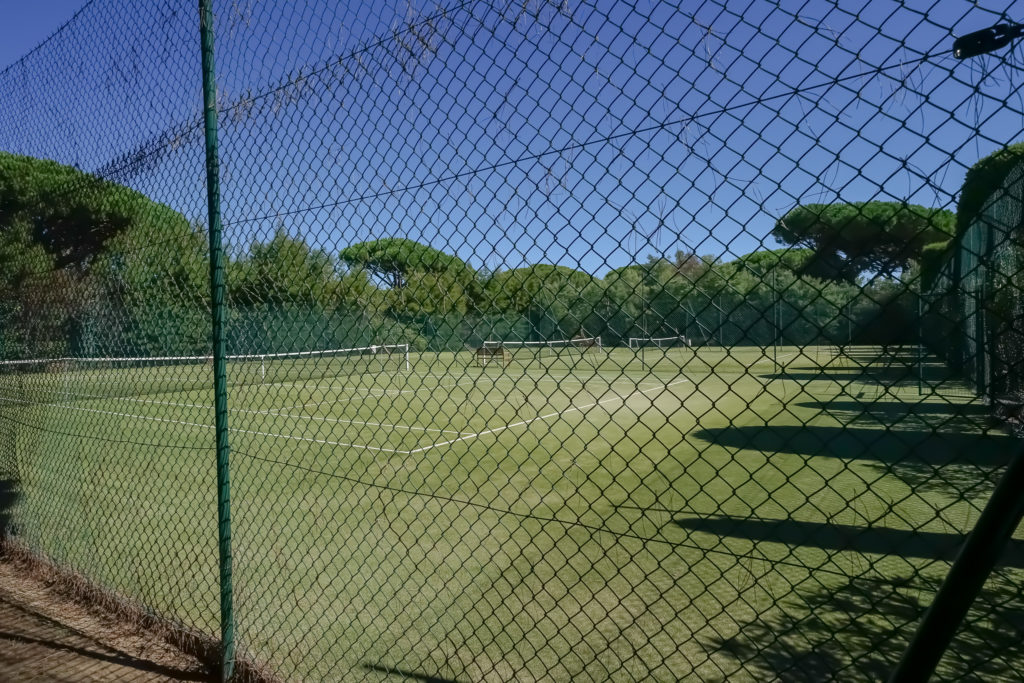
(408, 365)
(217, 291)
(263, 369)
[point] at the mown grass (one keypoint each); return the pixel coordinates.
(721, 513)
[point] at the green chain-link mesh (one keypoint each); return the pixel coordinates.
(565, 340)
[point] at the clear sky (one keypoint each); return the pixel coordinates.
(26, 23)
(589, 134)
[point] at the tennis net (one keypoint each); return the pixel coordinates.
(63, 379)
(678, 341)
(550, 347)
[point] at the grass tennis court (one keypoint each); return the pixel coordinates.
(633, 501)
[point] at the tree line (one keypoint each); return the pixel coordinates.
(91, 268)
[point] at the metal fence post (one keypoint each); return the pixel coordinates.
(217, 289)
(974, 563)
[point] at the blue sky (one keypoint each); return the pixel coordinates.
(23, 25)
(586, 134)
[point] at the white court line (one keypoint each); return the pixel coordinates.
(305, 383)
(364, 423)
(466, 437)
(515, 379)
(276, 412)
(208, 406)
(322, 441)
(582, 384)
(364, 391)
(271, 412)
(96, 397)
(111, 412)
(379, 392)
(611, 376)
(542, 417)
(230, 429)
(352, 399)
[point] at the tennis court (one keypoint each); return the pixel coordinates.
(454, 478)
(379, 402)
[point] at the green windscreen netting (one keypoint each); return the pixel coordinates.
(973, 301)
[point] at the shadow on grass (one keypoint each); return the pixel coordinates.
(873, 540)
(888, 446)
(945, 416)
(886, 355)
(856, 628)
(888, 377)
(894, 410)
(955, 464)
(871, 366)
(892, 355)
(407, 675)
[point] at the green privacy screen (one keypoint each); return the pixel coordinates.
(564, 341)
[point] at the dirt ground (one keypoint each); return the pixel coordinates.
(47, 637)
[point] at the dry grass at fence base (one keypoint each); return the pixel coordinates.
(140, 639)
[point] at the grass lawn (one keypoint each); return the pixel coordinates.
(722, 513)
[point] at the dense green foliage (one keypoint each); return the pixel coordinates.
(982, 180)
(395, 259)
(848, 240)
(106, 271)
(69, 213)
(88, 266)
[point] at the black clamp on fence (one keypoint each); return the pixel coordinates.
(986, 40)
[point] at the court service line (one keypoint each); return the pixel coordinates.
(98, 397)
(516, 379)
(208, 406)
(230, 429)
(112, 412)
(187, 405)
(365, 423)
(365, 391)
(541, 417)
(350, 400)
(269, 411)
(249, 431)
(567, 380)
(386, 392)
(320, 441)
(276, 412)
(466, 437)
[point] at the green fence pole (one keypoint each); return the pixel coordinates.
(973, 564)
(227, 618)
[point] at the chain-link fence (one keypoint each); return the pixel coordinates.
(561, 340)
